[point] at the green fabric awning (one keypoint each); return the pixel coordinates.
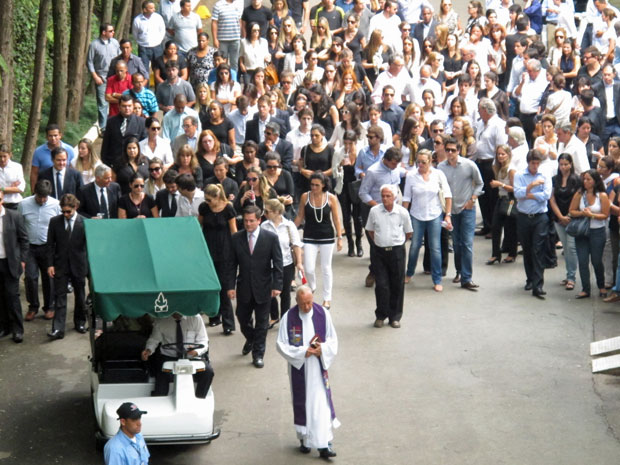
(156, 265)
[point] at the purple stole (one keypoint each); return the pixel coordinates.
(298, 377)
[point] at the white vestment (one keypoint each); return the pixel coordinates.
(317, 432)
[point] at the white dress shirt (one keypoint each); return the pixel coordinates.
(165, 332)
(423, 196)
(489, 136)
(13, 172)
(163, 150)
(578, 151)
(149, 32)
(531, 92)
(288, 235)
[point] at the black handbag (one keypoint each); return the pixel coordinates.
(354, 190)
(508, 206)
(578, 227)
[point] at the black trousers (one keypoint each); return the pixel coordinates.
(277, 311)
(532, 231)
(529, 124)
(11, 318)
(389, 268)
(203, 379)
(350, 211)
(256, 334)
(37, 262)
(225, 315)
(79, 311)
(489, 198)
(509, 225)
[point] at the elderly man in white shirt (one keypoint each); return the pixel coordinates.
(12, 181)
(396, 76)
(570, 143)
(530, 90)
(415, 87)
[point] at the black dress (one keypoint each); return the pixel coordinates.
(133, 210)
(315, 161)
(198, 176)
(354, 45)
(159, 64)
(126, 172)
(283, 186)
(220, 131)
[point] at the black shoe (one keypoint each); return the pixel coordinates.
(327, 453)
(80, 329)
(4, 332)
(470, 286)
(582, 295)
(247, 348)
(18, 338)
(482, 232)
(258, 362)
(360, 250)
(457, 278)
(303, 449)
(227, 332)
(56, 334)
(528, 286)
(213, 323)
(351, 252)
(539, 293)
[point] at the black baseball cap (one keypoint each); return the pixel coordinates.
(129, 410)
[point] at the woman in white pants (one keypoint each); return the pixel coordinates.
(322, 228)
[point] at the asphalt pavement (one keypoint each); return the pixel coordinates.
(488, 377)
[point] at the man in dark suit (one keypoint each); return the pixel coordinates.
(273, 143)
(426, 27)
(257, 255)
(166, 199)
(13, 251)
(66, 242)
(610, 103)
(64, 179)
(100, 197)
(255, 128)
(118, 129)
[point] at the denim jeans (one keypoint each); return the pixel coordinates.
(148, 54)
(231, 49)
(591, 247)
(463, 238)
(434, 237)
(102, 105)
(570, 252)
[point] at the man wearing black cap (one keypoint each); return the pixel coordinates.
(127, 447)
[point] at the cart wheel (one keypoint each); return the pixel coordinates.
(99, 442)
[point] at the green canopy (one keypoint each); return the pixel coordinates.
(156, 265)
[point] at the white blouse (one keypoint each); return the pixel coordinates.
(423, 196)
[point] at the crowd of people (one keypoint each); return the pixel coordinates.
(515, 109)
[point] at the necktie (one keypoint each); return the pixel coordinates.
(58, 185)
(103, 205)
(124, 126)
(179, 339)
(251, 243)
(173, 204)
(68, 229)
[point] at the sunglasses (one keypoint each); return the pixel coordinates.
(251, 179)
(138, 186)
(372, 136)
(155, 169)
(155, 129)
(437, 131)
(273, 167)
(451, 150)
(65, 212)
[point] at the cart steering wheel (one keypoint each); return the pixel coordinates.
(187, 346)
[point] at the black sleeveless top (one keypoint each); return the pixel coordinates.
(318, 228)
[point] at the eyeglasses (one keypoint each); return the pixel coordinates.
(67, 212)
(451, 150)
(372, 136)
(138, 186)
(273, 167)
(437, 131)
(155, 128)
(251, 179)
(438, 142)
(155, 169)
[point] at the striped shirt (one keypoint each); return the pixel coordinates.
(228, 19)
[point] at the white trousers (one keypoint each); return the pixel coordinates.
(310, 253)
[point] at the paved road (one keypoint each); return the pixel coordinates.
(471, 378)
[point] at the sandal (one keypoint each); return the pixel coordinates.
(564, 282)
(508, 260)
(570, 285)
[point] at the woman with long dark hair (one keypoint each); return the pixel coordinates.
(325, 112)
(136, 203)
(132, 162)
(350, 122)
(591, 201)
(224, 89)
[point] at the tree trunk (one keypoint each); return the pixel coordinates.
(121, 22)
(58, 109)
(78, 47)
(107, 7)
(38, 77)
(6, 73)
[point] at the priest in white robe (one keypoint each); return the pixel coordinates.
(307, 340)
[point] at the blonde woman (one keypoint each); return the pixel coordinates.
(288, 31)
(464, 134)
(255, 190)
(322, 37)
(86, 161)
(503, 182)
(446, 15)
(187, 163)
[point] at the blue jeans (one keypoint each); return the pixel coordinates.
(463, 238)
(591, 247)
(148, 54)
(231, 49)
(102, 105)
(570, 252)
(434, 238)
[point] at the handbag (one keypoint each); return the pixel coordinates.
(578, 227)
(354, 190)
(507, 206)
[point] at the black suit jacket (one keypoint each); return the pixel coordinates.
(15, 238)
(511, 40)
(599, 92)
(89, 199)
(251, 128)
(284, 149)
(67, 254)
(113, 140)
(418, 32)
(162, 202)
(259, 272)
(71, 184)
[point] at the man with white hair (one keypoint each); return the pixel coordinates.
(307, 340)
(396, 76)
(529, 91)
(570, 143)
(389, 227)
(518, 144)
(490, 132)
(415, 88)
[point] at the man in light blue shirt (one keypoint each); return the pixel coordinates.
(532, 191)
(42, 158)
(37, 211)
(127, 447)
(372, 153)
